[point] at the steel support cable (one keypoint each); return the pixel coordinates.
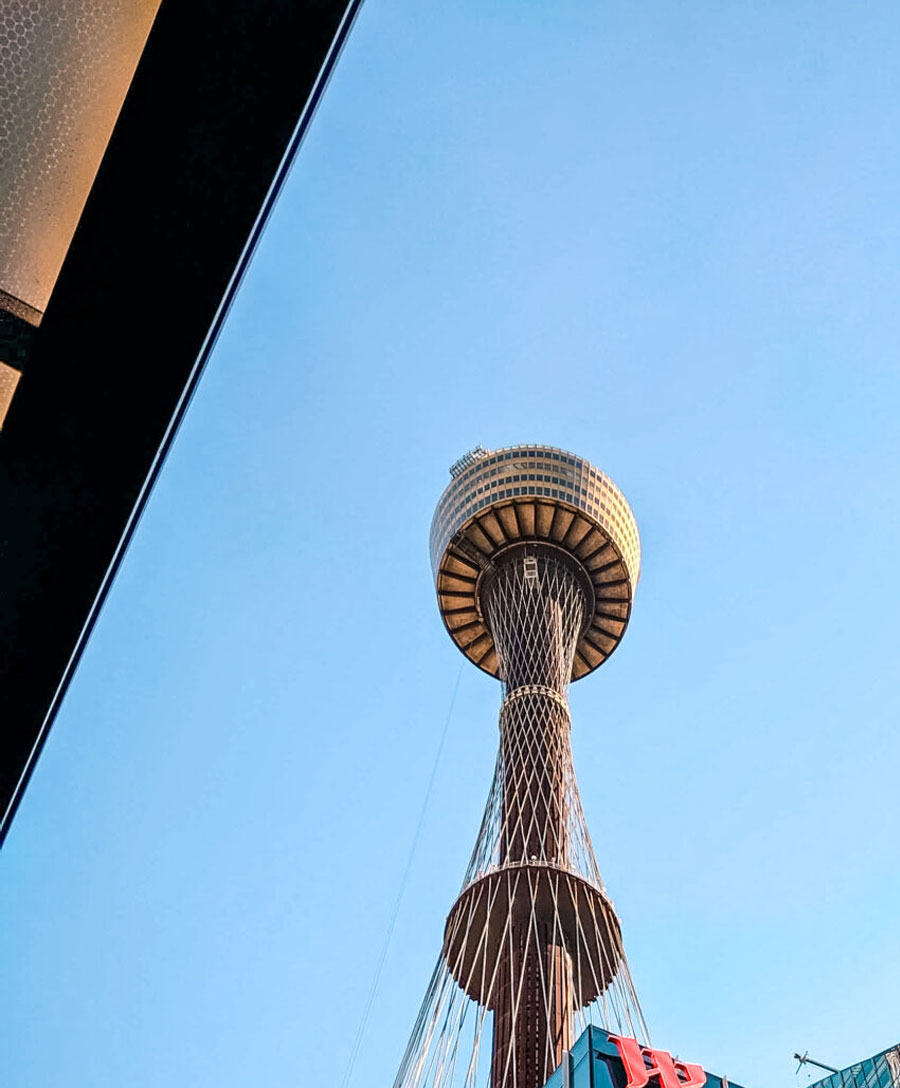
(404, 880)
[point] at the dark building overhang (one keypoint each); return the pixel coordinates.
(221, 97)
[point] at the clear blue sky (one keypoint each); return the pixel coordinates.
(663, 235)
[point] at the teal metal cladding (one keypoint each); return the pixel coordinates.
(881, 1071)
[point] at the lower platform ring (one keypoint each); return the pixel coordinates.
(532, 897)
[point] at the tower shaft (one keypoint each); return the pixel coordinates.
(534, 609)
(531, 1034)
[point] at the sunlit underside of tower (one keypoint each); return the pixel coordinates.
(536, 557)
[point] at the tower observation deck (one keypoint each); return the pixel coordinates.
(536, 557)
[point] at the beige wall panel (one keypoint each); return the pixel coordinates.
(66, 66)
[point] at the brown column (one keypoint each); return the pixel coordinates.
(538, 1041)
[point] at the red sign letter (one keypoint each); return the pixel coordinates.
(641, 1063)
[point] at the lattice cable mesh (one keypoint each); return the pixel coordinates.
(532, 948)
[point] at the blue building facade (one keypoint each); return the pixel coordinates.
(880, 1071)
(595, 1062)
